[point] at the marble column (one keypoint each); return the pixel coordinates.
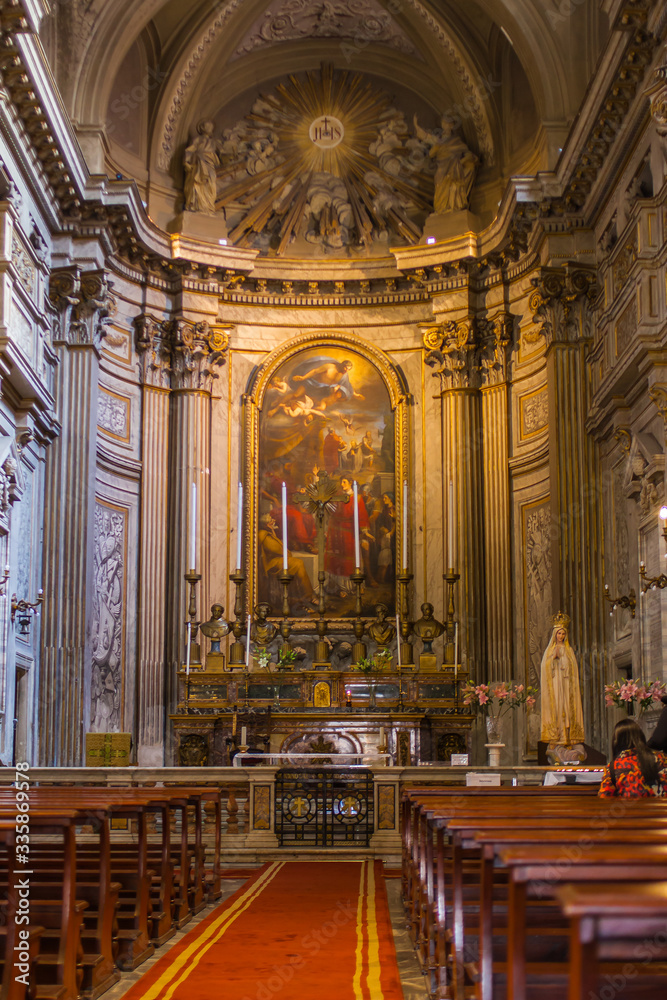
(197, 353)
(496, 486)
(452, 350)
(153, 349)
(81, 304)
(577, 501)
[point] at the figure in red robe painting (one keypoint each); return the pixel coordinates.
(339, 550)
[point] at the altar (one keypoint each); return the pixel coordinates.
(412, 715)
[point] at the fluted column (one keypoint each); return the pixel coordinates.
(452, 350)
(497, 525)
(153, 541)
(81, 304)
(197, 355)
(575, 475)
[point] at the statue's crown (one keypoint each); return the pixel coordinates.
(560, 620)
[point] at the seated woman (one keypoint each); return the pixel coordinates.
(634, 771)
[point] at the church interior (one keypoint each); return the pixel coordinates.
(333, 512)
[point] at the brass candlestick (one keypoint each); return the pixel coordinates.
(359, 647)
(450, 578)
(406, 657)
(237, 649)
(192, 625)
(285, 627)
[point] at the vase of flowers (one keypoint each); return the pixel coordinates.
(493, 701)
(371, 667)
(629, 694)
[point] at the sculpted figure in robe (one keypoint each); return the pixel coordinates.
(200, 161)
(562, 712)
(380, 630)
(455, 167)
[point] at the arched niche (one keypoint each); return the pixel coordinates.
(312, 389)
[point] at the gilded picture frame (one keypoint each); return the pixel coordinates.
(338, 405)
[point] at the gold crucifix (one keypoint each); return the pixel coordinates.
(319, 499)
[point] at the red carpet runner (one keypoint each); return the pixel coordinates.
(300, 930)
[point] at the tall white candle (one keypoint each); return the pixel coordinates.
(239, 529)
(193, 526)
(381, 736)
(247, 645)
(284, 528)
(405, 524)
(398, 639)
(450, 526)
(243, 736)
(357, 551)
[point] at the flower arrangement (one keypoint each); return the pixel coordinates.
(286, 657)
(494, 700)
(373, 664)
(263, 657)
(627, 693)
(371, 667)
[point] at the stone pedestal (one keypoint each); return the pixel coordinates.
(198, 226)
(444, 227)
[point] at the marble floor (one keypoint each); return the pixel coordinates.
(412, 981)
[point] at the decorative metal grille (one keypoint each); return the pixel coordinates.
(324, 807)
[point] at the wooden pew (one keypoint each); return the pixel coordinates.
(608, 921)
(461, 804)
(538, 870)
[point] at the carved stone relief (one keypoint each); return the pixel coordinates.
(561, 303)
(84, 306)
(180, 355)
(113, 415)
(468, 353)
(106, 691)
(534, 413)
(621, 553)
(361, 21)
(25, 268)
(300, 170)
(537, 534)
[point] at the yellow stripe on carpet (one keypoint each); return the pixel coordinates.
(192, 955)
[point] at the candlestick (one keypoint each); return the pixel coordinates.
(188, 642)
(234, 721)
(405, 524)
(456, 651)
(243, 735)
(357, 552)
(239, 530)
(398, 640)
(450, 527)
(193, 526)
(247, 645)
(284, 528)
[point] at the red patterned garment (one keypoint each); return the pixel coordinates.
(624, 778)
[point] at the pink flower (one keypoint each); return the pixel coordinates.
(483, 698)
(530, 700)
(512, 695)
(500, 693)
(519, 688)
(609, 701)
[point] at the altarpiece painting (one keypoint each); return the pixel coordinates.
(334, 407)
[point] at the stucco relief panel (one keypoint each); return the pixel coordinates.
(113, 415)
(621, 553)
(534, 409)
(536, 534)
(108, 641)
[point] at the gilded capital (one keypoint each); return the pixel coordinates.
(153, 348)
(561, 303)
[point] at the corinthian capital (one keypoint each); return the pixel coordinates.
(154, 350)
(198, 351)
(83, 304)
(450, 351)
(561, 303)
